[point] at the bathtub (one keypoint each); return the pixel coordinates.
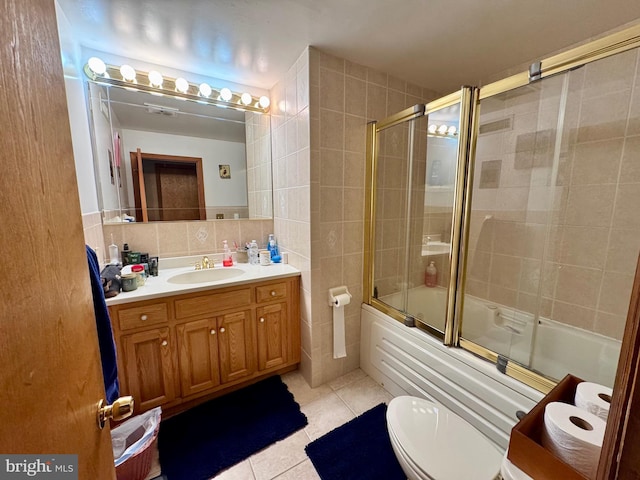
(409, 361)
(543, 346)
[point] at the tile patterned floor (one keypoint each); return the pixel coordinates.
(326, 408)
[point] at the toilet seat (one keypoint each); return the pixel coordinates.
(510, 472)
(438, 444)
(416, 473)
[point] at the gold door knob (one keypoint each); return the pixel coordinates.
(165, 343)
(213, 332)
(273, 293)
(222, 330)
(261, 319)
(119, 410)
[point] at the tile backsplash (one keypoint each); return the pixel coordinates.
(174, 239)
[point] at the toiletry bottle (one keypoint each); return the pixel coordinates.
(431, 275)
(253, 253)
(227, 259)
(114, 256)
(125, 254)
(272, 246)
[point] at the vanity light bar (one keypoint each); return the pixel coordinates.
(443, 130)
(153, 82)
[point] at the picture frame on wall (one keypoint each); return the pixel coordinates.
(225, 171)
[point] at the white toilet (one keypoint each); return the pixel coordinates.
(431, 442)
(510, 472)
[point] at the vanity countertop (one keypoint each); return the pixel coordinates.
(157, 287)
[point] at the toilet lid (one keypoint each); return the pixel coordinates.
(440, 442)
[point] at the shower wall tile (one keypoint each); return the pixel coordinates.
(584, 230)
(630, 168)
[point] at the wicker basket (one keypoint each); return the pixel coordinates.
(138, 466)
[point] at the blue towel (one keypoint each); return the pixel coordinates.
(105, 334)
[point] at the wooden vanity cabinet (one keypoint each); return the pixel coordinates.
(184, 347)
(148, 363)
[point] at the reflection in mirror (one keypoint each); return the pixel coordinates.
(164, 159)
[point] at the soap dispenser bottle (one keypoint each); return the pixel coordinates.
(431, 275)
(227, 258)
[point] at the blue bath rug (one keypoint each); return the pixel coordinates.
(359, 449)
(211, 437)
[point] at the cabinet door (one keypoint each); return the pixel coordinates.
(236, 342)
(149, 369)
(272, 335)
(198, 356)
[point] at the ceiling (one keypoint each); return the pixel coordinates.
(434, 43)
(142, 111)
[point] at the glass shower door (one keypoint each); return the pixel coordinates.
(554, 228)
(416, 172)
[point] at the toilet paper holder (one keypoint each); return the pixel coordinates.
(335, 291)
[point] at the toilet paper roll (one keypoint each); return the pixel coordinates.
(342, 300)
(594, 398)
(339, 343)
(574, 436)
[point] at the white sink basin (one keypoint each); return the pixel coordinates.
(204, 276)
(435, 248)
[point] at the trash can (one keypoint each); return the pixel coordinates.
(133, 444)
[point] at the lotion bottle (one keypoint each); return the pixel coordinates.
(431, 275)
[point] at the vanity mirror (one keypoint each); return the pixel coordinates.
(162, 158)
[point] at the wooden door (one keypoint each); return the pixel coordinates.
(177, 185)
(149, 369)
(272, 335)
(236, 341)
(139, 191)
(50, 380)
(198, 356)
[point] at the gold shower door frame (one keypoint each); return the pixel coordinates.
(469, 99)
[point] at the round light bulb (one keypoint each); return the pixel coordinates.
(442, 129)
(204, 89)
(182, 85)
(155, 78)
(452, 130)
(97, 66)
(225, 94)
(245, 98)
(432, 128)
(264, 101)
(128, 73)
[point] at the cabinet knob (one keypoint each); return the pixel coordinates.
(165, 343)
(222, 330)
(143, 317)
(273, 293)
(261, 319)
(212, 332)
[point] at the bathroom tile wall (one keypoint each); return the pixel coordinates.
(93, 235)
(319, 114)
(343, 97)
(292, 187)
(258, 148)
(174, 239)
(563, 241)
